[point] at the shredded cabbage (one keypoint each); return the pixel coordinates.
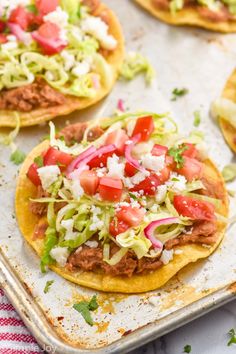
(117, 257)
(135, 240)
(135, 64)
(176, 5)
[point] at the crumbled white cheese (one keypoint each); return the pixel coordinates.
(130, 126)
(99, 29)
(11, 38)
(115, 169)
(9, 46)
(48, 175)
(68, 225)
(80, 69)
(127, 182)
(176, 182)
(155, 163)
(154, 208)
(97, 224)
(101, 171)
(161, 193)
(76, 189)
(59, 17)
(166, 256)
(139, 177)
(92, 244)
(9, 5)
(141, 149)
(60, 254)
(69, 60)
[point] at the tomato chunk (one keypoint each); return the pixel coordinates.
(3, 38)
(32, 174)
(117, 227)
(148, 185)
(192, 169)
(89, 182)
(45, 6)
(118, 138)
(145, 127)
(193, 208)
(110, 189)
(130, 170)
(48, 37)
(21, 17)
(159, 150)
(130, 216)
(57, 157)
(164, 175)
(191, 151)
(101, 160)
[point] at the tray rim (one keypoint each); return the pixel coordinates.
(31, 314)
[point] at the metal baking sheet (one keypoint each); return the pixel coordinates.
(195, 59)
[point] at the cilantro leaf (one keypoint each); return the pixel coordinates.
(187, 348)
(176, 153)
(133, 196)
(197, 118)
(232, 335)
(84, 308)
(17, 157)
(39, 161)
(47, 286)
(178, 93)
(32, 8)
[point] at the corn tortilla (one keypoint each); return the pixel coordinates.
(187, 17)
(37, 116)
(137, 283)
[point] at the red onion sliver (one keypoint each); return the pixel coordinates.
(120, 105)
(128, 155)
(72, 166)
(149, 230)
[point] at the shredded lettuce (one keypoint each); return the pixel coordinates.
(176, 5)
(50, 241)
(72, 8)
(135, 64)
(210, 4)
(117, 257)
(135, 240)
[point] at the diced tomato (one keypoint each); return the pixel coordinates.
(192, 169)
(110, 189)
(159, 150)
(193, 208)
(2, 26)
(3, 38)
(48, 37)
(148, 185)
(46, 6)
(130, 216)
(101, 160)
(145, 127)
(191, 151)
(117, 227)
(56, 157)
(21, 17)
(130, 170)
(170, 161)
(32, 174)
(118, 138)
(89, 182)
(164, 174)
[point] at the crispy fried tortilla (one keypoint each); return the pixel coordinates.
(37, 116)
(228, 130)
(187, 17)
(139, 282)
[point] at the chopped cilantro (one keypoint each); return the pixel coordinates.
(133, 196)
(39, 161)
(187, 348)
(178, 93)
(32, 8)
(232, 335)
(17, 157)
(84, 307)
(197, 118)
(176, 153)
(47, 286)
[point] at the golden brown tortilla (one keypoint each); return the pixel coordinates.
(187, 17)
(37, 116)
(137, 283)
(228, 130)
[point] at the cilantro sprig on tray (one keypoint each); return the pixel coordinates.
(85, 308)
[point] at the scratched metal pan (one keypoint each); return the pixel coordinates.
(190, 58)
